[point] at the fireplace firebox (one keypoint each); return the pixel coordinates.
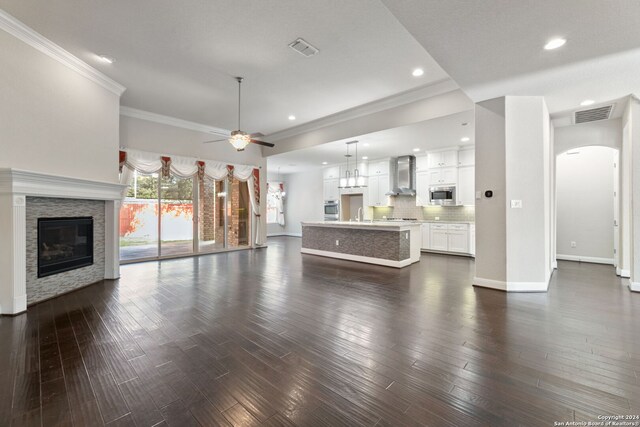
(64, 244)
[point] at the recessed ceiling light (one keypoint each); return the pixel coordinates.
(464, 139)
(325, 163)
(415, 150)
(365, 158)
(587, 102)
(366, 144)
(292, 117)
(555, 43)
(107, 59)
(417, 72)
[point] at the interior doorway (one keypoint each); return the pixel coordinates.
(587, 201)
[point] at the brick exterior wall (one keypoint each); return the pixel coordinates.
(234, 218)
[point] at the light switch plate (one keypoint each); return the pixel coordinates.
(478, 195)
(516, 204)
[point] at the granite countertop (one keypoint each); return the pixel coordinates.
(446, 222)
(362, 224)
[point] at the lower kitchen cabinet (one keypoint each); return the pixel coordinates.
(447, 237)
(425, 229)
(438, 240)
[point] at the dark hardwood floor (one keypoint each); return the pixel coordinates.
(270, 337)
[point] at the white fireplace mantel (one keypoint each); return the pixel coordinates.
(15, 186)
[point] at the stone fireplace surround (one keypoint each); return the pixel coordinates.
(22, 190)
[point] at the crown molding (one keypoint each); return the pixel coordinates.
(422, 92)
(36, 40)
(172, 121)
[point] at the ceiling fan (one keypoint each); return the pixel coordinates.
(240, 139)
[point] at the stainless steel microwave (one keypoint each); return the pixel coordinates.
(442, 195)
(331, 210)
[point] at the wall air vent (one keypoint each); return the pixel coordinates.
(593, 115)
(303, 48)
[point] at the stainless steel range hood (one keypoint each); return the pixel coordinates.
(402, 173)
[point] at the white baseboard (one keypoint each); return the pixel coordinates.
(285, 234)
(623, 273)
(511, 286)
(358, 258)
(590, 259)
(634, 286)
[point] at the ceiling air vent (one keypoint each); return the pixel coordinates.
(303, 48)
(594, 114)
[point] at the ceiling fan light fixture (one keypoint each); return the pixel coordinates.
(239, 140)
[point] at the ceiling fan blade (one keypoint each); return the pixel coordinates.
(256, 135)
(266, 144)
(217, 140)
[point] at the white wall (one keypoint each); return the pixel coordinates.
(633, 121)
(513, 158)
(527, 169)
(606, 133)
(276, 229)
(52, 119)
(584, 189)
(304, 201)
(491, 238)
(165, 139)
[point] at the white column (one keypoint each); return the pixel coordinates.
(13, 285)
(112, 239)
(634, 134)
(513, 232)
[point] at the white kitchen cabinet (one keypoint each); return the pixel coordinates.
(378, 187)
(331, 172)
(438, 237)
(458, 238)
(448, 237)
(422, 189)
(467, 157)
(443, 159)
(425, 230)
(331, 190)
(443, 176)
(472, 239)
(466, 185)
(379, 168)
(422, 163)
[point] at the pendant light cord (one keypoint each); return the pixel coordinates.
(239, 98)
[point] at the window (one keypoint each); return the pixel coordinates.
(274, 193)
(163, 217)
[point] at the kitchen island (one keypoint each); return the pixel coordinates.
(392, 244)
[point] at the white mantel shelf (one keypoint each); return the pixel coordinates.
(15, 186)
(35, 184)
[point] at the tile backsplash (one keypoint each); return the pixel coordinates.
(405, 207)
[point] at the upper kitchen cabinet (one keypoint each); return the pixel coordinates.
(331, 190)
(442, 176)
(331, 172)
(467, 157)
(379, 168)
(443, 159)
(377, 189)
(422, 163)
(422, 189)
(466, 185)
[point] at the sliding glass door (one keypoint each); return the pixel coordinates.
(212, 221)
(165, 217)
(139, 219)
(176, 218)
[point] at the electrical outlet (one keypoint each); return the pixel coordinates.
(406, 236)
(437, 218)
(573, 244)
(337, 242)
